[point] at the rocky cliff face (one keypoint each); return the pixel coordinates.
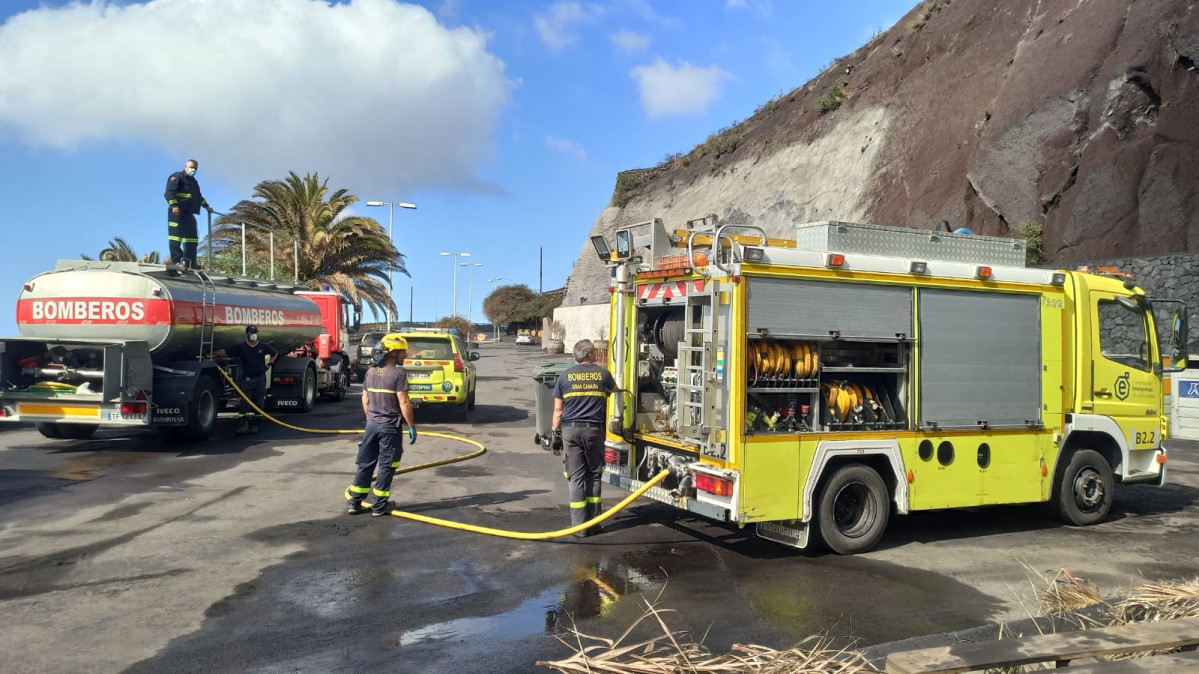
(1077, 115)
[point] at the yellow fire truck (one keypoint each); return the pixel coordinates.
(822, 383)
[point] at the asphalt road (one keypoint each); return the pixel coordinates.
(123, 553)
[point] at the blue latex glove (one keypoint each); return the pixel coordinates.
(412, 435)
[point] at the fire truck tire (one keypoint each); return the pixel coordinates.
(339, 389)
(1086, 489)
(201, 413)
(308, 391)
(854, 509)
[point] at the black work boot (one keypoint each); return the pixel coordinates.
(355, 507)
(243, 426)
(253, 426)
(381, 508)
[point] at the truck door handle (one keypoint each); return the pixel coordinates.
(1103, 393)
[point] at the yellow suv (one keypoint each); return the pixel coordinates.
(441, 371)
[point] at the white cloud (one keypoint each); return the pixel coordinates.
(567, 147)
(668, 90)
(375, 95)
(628, 42)
(557, 28)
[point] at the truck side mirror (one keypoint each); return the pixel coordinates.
(473, 355)
(1178, 339)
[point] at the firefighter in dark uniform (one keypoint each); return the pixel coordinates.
(183, 204)
(251, 375)
(386, 404)
(580, 407)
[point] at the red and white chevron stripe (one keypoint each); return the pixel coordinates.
(669, 289)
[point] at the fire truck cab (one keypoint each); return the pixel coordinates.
(826, 382)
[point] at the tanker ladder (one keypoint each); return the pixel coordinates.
(207, 315)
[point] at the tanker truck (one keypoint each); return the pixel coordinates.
(128, 344)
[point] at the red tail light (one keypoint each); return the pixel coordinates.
(3, 412)
(458, 366)
(133, 409)
(285, 380)
(713, 485)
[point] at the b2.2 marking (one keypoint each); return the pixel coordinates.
(1146, 437)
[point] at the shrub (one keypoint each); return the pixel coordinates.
(831, 99)
(1032, 233)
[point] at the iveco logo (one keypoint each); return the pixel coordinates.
(1122, 387)
(287, 403)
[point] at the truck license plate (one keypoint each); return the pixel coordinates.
(420, 375)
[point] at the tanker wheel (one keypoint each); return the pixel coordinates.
(49, 430)
(201, 412)
(77, 431)
(308, 391)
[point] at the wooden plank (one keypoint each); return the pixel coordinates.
(967, 657)
(1173, 662)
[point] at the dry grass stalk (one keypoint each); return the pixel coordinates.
(674, 651)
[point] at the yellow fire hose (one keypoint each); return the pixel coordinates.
(520, 535)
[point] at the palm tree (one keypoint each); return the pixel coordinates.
(119, 250)
(349, 254)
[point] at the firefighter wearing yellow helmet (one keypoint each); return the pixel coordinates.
(386, 405)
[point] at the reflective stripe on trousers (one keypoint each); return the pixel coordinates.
(583, 457)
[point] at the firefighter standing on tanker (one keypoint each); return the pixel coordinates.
(580, 406)
(183, 204)
(251, 376)
(385, 402)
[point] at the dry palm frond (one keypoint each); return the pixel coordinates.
(1067, 594)
(674, 651)
(1158, 601)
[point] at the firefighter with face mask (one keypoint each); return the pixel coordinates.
(183, 204)
(252, 356)
(385, 402)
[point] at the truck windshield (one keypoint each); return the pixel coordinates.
(371, 338)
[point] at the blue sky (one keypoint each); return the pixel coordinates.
(506, 122)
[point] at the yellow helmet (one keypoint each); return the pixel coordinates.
(394, 342)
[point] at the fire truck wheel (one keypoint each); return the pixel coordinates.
(1084, 495)
(308, 391)
(854, 508)
(201, 411)
(339, 390)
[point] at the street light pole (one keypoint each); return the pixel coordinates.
(454, 257)
(470, 290)
(390, 237)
